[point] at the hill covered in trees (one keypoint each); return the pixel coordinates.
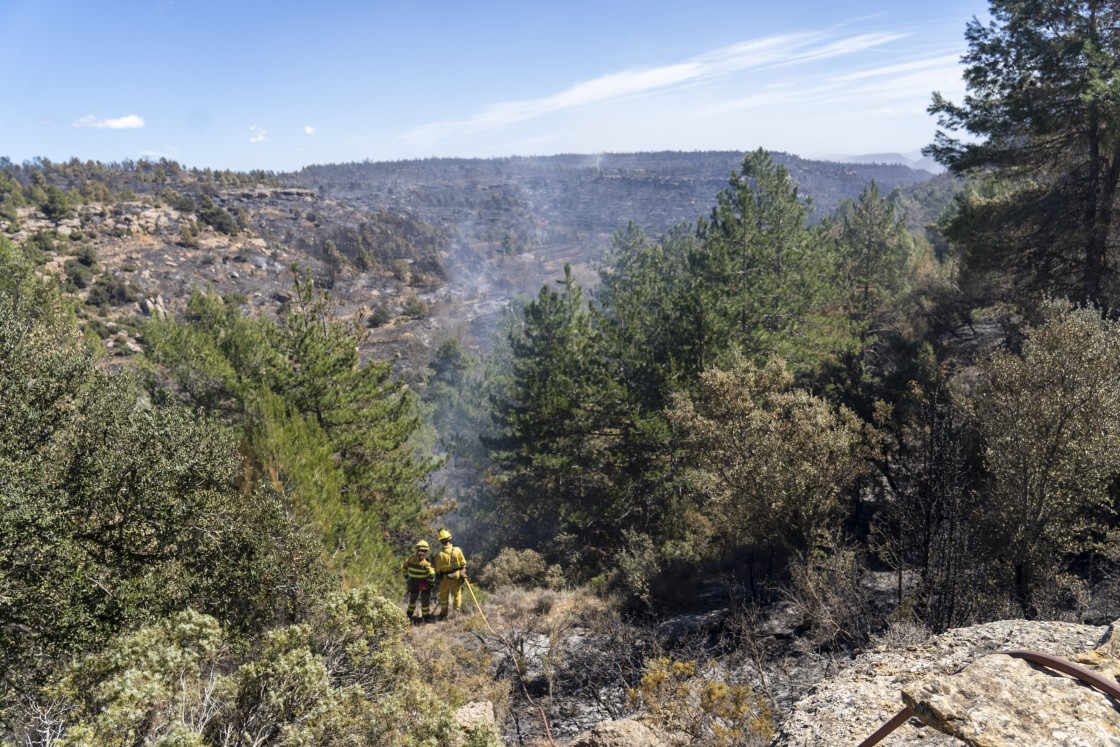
(739, 417)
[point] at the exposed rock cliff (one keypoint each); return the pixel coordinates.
(964, 692)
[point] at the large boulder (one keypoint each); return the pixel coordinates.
(623, 733)
(475, 715)
(998, 700)
(961, 704)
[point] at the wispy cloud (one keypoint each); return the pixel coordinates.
(905, 83)
(260, 134)
(310, 130)
(767, 52)
(943, 62)
(130, 122)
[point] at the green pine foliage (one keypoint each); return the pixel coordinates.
(1040, 115)
(333, 435)
(588, 444)
(563, 428)
(764, 274)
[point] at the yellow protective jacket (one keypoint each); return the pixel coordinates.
(450, 562)
(418, 568)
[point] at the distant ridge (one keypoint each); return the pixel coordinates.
(582, 193)
(914, 160)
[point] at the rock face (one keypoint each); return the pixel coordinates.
(998, 700)
(965, 693)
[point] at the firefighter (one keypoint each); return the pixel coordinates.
(420, 575)
(451, 567)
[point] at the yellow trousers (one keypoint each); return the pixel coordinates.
(450, 589)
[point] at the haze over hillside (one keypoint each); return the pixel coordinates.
(450, 240)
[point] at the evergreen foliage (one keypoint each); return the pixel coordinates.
(115, 511)
(564, 426)
(342, 677)
(334, 436)
(588, 447)
(1044, 100)
(766, 458)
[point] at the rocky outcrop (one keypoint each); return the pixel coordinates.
(998, 700)
(965, 693)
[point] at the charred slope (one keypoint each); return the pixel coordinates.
(580, 194)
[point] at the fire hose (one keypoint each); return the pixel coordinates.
(516, 666)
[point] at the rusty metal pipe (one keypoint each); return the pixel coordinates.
(1086, 676)
(899, 719)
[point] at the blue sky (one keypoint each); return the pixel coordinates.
(278, 85)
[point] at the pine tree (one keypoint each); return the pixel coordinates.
(1043, 110)
(359, 477)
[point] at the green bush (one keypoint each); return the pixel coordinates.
(414, 308)
(110, 290)
(40, 247)
(525, 568)
(78, 275)
(379, 316)
(115, 512)
(344, 677)
(216, 217)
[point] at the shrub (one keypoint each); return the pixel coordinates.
(704, 702)
(110, 290)
(39, 247)
(414, 308)
(345, 677)
(216, 217)
(826, 593)
(86, 254)
(525, 568)
(78, 275)
(767, 456)
(379, 316)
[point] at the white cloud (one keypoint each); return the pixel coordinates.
(260, 134)
(169, 152)
(767, 52)
(130, 122)
(310, 129)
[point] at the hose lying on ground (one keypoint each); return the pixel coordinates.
(513, 658)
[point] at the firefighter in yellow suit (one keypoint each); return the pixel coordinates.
(451, 567)
(420, 576)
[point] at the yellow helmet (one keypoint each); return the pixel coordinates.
(422, 545)
(444, 535)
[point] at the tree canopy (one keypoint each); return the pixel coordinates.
(1042, 114)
